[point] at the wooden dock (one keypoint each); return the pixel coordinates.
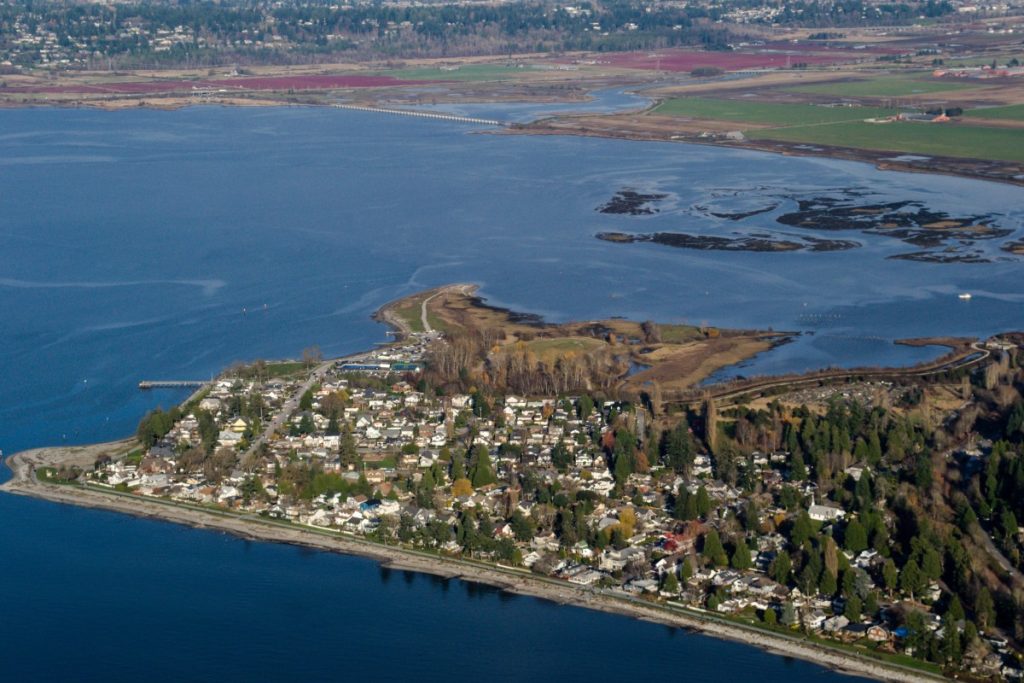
(171, 384)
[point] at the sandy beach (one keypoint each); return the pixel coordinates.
(24, 482)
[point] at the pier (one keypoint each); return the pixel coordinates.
(171, 384)
(422, 114)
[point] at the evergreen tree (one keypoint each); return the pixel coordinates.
(671, 583)
(855, 539)
(788, 614)
(853, 609)
(781, 567)
(955, 609)
(458, 468)
(686, 505)
(584, 407)
(332, 425)
(741, 556)
(679, 449)
(522, 526)
(703, 502)
(347, 450)
(797, 469)
(912, 580)
(889, 575)
(560, 457)
(871, 605)
(713, 550)
(801, 530)
(686, 572)
(931, 564)
(874, 449)
(622, 469)
(827, 584)
(951, 645)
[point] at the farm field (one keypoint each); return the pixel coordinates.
(1014, 112)
(887, 86)
(765, 112)
(466, 72)
(974, 142)
(678, 60)
(308, 82)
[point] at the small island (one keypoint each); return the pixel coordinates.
(584, 463)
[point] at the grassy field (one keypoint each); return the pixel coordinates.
(764, 112)
(411, 312)
(467, 72)
(680, 334)
(886, 86)
(1013, 112)
(553, 349)
(286, 369)
(975, 142)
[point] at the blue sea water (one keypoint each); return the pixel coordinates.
(150, 245)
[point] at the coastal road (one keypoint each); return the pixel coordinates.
(429, 331)
(292, 403)
(1015, 577)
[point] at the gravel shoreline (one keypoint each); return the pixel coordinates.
(514, 581)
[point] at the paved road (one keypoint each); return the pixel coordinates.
(1016, 578)
(427, 329)
(292, 403)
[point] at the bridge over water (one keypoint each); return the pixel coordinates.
(423, 115)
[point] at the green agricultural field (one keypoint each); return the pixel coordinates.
(765, 112)
(1013, 112)
(886, 86)
(468, 72)
(933, 139)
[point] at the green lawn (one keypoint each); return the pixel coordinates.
(952, 140)
(1014, 112)
(886, 86)
(468, 72)
(765, 112)
(286, 369)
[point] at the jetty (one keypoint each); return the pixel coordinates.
(171, 384)
(422, 114)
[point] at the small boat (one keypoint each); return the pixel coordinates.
(966, 296)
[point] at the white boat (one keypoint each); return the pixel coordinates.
(965, 296)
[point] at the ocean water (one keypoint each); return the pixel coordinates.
(165, 245)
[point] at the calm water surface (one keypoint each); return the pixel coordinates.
(148, 245)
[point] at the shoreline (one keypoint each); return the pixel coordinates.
(878, 159)
(513, 581)
(881, 160)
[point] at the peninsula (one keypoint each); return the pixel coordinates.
(862, 519)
